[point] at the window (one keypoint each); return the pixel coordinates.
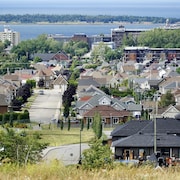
(115, 120)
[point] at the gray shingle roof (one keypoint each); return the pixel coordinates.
(166, 125)
(94, 101)
(147, 140)
(88, 82)
(130, 128)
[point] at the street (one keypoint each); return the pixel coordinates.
(67, 154)
(46, 106)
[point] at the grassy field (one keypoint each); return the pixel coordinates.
(56, 171)
(57, 137)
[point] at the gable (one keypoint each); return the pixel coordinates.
(85, 105)
(170, 112)
(104, 101)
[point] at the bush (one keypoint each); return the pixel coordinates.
(98, 156)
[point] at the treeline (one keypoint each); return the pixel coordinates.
(28, 18)
(157, 38)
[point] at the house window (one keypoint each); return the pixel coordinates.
(115, 120)
(90, 120)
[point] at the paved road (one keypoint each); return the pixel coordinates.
(68, 154)
(46, 107)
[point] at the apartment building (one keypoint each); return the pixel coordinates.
(12, 36)
(117, 34)
(140, 54)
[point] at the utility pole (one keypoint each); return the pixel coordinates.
(155, 123)
(80, 147)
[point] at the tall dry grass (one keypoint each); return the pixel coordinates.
(57, 171)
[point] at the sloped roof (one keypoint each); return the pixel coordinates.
(12, 77)
(60, 80)
(94, 101)
(164, 125)
(85, 98)
(88, 82)
(134, 107)
(129, 128)
(147, 140)
(106, 111)
(3, 101)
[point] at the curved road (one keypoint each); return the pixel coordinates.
(46, 107)
(67, 154)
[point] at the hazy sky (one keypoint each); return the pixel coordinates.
(163, 8)
(85, 2)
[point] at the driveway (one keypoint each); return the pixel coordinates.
(68, 154)
(46, 106)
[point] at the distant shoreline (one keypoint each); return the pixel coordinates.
(77, 23)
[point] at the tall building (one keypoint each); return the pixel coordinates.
(117, 34)
(12, 36)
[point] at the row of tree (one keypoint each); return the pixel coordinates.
(27, 18)
(12, 117)
(156, 38)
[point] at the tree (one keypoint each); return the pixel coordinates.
(69, 124)
(20, 148)
(98, 156)
(97, 125)
(167, 99)
(41, 83)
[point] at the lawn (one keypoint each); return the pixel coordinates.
(57, 137)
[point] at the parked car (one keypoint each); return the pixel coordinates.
(41, 92)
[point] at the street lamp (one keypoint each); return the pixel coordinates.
(155, 127)
(80, 147)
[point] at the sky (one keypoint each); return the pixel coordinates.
(9, 2)
(168, 8)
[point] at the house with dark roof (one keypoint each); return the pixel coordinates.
(85, 82)
(136, 138)
(53, 58)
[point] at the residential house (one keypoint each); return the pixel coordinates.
(14, 78)
(47, 75)
(169, 112)
(128, 69)
(169, 84)
(135, 109)
(177, 96)
(85, 81)
(8, 88)
(60, 83)
(3, 104)
(90, 91)
(137, 138)
(54, 58)
(109, 115)
(96, 100)
(140, 83)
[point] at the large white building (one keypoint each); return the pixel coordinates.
(12, 36)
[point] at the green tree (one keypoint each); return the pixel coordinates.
(178, 70)
(97, 125)
(167, 99)
(98, 156)
(20, 148)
